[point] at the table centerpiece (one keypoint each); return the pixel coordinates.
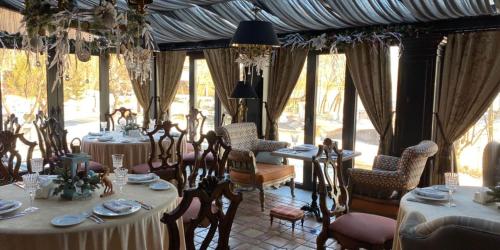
(75, 187)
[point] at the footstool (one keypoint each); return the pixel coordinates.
(287, 213)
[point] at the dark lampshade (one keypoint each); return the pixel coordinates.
(255, 33)
(243, 91)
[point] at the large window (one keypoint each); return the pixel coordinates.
(180, 106)
(24, 90)
(205, 93)
(81, 97)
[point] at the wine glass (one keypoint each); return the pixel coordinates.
(451, 181)
(37, 165)
(30, 186)
(117, 160)
(121, 178)
(104, 125)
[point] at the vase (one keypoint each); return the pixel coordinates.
(68, 194)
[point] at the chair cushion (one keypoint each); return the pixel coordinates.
(267, 158)
(369, 228)
(144, 167)
(265, 173)
(286, 212)
(194, 209)
(189, 157)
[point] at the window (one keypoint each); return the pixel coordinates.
(367, 138)
(81, 97)
(180, 106)
(205, 93)
(291, 121)
(469, 148)
(121, 93)
(24, 91)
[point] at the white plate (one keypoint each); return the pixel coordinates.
(101, 210)
(17, 205)
(155, 178)
(429, 198)
(305, 147)
(67, 220)
(160, 185)
(441, 188)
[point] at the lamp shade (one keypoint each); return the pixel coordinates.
(255, 33)
(243, 91)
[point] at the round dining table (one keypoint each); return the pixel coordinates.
(465, 206)
(141, 230)
(136, 150)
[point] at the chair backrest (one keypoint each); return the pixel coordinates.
(217, 148)
(41, 131)
(195, 121)
(10, 159)
(123, 114)
(12, 124)
(58, 143)
(491, 164)
(240, 135)
(413, 162)
(330, 181)
(211, 189)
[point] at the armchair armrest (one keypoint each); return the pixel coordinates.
(385, 162)
(241, 155)
(375, 179)
(269, 146)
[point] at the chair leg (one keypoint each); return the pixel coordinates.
(321, 239)
(261, 197)
(271, 219)
(292, 187)
(293, 226)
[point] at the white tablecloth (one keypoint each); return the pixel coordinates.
(465, 207)
(142, 230)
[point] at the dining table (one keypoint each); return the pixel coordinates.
(140, 230)
(136, 149)
(431, 210)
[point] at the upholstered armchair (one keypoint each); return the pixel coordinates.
(244, 169)
(452, 232)
(491, 164)
(380, 189)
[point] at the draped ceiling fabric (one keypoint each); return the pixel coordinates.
(169, 66)
(470, 82)
(176, 21)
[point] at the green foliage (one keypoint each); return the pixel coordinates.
(86, 181)
(495, 192)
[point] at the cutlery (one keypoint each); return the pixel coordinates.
(92, 217)
(22, 213)
(144, 205)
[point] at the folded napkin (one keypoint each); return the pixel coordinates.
(304, 147)
(46, 186)
(117, 206)
(105, 138)
(430, 193)
(140, 177)
(6, 204)
(95, 133)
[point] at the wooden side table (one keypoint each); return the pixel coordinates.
(287, 213)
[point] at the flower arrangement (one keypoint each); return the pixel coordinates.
(495, 192)
(79, 186)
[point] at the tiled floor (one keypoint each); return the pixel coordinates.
(251, 228)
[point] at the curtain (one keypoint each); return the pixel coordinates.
(369, 65)
(141, 91)
(283, 75)
(469, 83)
(225, 72)
(169, 65)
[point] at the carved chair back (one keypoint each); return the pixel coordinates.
(12, 124)
(162, 142)
(195, 121)
(58, 143)
(211, 189)
(219, 150)
(10, 158)
(42, 133)
(121, 114)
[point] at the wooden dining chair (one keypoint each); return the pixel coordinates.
(12, 124)
(350, 229)
(123, 114)
(203, 207)
(161, 159)
(195, 122)
(217, 163)
(10, 159)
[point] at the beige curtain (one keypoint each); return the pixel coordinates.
(470, 81)
(225, 73)
(283, 75)
(370, 69)
(141, 91)
(169, 65)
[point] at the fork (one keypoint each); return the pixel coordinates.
(93, 217)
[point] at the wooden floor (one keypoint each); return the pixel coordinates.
(252, 230)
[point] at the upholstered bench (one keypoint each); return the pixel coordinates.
(287, 213)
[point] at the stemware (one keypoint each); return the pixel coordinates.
(451, 181)
(30, 186)
(104, 125)
(37, 165)
(117, 160)
(121, 178)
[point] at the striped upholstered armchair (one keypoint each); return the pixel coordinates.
(245, 169)
(380, 189)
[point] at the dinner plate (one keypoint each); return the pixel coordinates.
(160, 185)
(17, 205)
(442, 188)
(445, 198)
(305, 147)
(67, 220)
(155, 178)
(101, 210)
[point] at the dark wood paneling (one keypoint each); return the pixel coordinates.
(349, 117)
(55, 97)
(103, 84)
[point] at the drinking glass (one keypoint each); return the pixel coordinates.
(121, 178)
(451, 181)
(117, 160)
(30, 186)
(37, 165)
(104, 125)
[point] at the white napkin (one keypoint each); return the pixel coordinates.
(430, 192)
(95, 133)
(105, 138)
(46, 186)
(305, 147)
(117, 206)
(6, 204)
(140, 177)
